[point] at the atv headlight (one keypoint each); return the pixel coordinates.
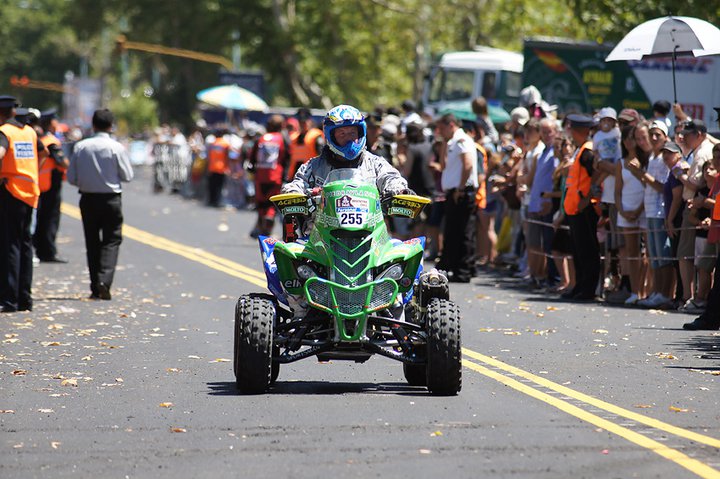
(393, 272)
(305, 272)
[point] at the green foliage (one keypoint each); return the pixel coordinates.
(316, 54)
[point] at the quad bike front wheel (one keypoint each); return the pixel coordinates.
(253, 353)
(415, 374)
(444, 366)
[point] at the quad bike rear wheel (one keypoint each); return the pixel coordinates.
(444, 366)
(253, 364)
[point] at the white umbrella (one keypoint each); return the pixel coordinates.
(668, 36)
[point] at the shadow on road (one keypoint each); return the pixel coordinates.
(707, 346)
(322, 388)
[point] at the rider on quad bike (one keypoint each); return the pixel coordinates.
(345, 133)
(340, 287)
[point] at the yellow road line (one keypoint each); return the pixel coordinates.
(692, 465)
(617, 410)
(194, 254)
(257, 278)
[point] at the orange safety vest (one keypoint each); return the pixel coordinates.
(302, 152)
(578, 181)
(20, 164)
(218, 156)
(481, 195)
(47, 167)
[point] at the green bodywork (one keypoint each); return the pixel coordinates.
(348, 247)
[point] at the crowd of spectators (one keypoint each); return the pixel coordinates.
(637, 232)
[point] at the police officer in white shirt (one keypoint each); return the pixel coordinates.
(460, 182)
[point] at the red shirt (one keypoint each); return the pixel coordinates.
(270, 157)
(714, 233)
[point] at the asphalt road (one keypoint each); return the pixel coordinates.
(142, 386)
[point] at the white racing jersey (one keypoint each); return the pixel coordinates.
(313, 173)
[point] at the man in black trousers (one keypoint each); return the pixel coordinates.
(52, 170)
(98, 166)
(581, 213)
(20, 152)
(460, 182)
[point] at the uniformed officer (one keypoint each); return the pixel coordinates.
(580, 210)
(51, 174)
(20, 151)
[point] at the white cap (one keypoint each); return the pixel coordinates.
(530, 95)
(607, 112)
(520, 115)
(389, 129)
(659, 125)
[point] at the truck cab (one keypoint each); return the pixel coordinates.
(458, 77)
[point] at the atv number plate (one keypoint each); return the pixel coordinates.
(352, 218)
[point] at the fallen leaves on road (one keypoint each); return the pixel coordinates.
(436, 434)
(221, 360)
(664, 356)
(600, 331)
(173, 370)
(678, 409)
(7, 411)
(166, 404)
(643, 406)
(69, 382)
(55, 444)
(47, 411)
(19, 372)
(542, 332)
(178, 429)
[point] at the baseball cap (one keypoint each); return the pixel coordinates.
(693, 126)
(530, 95)
(607, 112)
(629, 114)
(671, 146)
(520, 115)
(659, 125)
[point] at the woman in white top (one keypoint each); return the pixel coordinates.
(629, 200)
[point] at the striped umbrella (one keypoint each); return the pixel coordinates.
(232, 97)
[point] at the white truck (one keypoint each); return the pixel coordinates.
(574, 76)
(458, 77)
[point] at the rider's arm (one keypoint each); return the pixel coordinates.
(389, 181)
(301, 183)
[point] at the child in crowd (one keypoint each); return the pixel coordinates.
(607, 151)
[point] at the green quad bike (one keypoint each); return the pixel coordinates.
(358, 292)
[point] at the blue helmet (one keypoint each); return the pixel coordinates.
(345, 115)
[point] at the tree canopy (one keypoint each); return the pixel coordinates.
(314, 54)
